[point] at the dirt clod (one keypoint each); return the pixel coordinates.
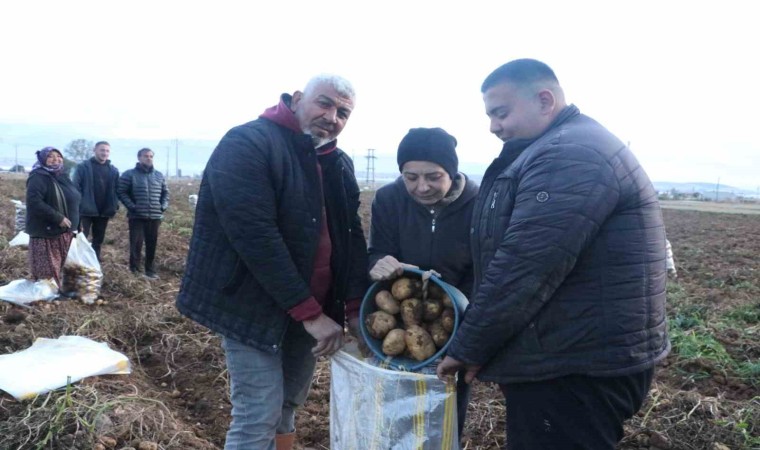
(14, 316)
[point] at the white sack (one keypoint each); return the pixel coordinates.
(372, 408)
(20, 223)
(23, 292)
(49, 363)
(20, 240)
(81, 271)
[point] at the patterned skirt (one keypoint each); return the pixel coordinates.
(47, 255)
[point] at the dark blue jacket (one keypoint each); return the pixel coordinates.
(144, 193)
(83, 180)
(50, 198)
(569, 253)
(408, 231)
(257, 225)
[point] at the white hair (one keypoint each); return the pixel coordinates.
(340, 84)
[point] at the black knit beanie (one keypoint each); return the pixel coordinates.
(429, 144)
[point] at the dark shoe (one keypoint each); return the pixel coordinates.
(151, 275)
(134, 271)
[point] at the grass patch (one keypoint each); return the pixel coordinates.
(687, 317)
(749, 370)
(694, 344)
(746, 423)
(748, 314)
(676, 294)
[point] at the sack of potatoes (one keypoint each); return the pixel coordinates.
(405, 327)
(81, 282)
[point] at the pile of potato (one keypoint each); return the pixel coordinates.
(408, 325)
(83, 281)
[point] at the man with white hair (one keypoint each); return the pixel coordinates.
(277, 251)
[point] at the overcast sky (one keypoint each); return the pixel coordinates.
(678, 79)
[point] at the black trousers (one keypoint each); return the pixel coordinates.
(143, 230)
(98, 226)
(575, 412)
(463, 399)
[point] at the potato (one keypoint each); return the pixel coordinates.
(411, 311)
(379, 323)
(419, 343)
(447, 319)
(438, 333)
(394, 343)
(431, 309)
(385, 301)
(435, 291)
(404, 288)
(446, 300)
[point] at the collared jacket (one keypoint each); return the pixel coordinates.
(257, 226)
(83, 180)
(143, 192)
(419, 235)
(569, 258)
(50, 198)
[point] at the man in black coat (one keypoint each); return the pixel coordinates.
(96, 179)
(143, 192)
(277, 251)
(568, 307)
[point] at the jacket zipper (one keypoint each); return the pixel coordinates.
(491, 216)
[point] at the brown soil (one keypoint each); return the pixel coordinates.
(177, 395)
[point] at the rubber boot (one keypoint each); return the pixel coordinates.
(284, 441)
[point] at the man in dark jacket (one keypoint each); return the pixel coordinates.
(143, 192)
(423, 220)
(568, 309)
(96, 179)
(277, 250)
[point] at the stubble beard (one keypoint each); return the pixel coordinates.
(317, 140)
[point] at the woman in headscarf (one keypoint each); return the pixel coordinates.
(52, 215)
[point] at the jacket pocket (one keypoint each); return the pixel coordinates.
(500, 203)
(236, 279)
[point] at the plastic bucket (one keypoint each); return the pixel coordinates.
(368, 306)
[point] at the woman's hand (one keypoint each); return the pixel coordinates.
(65, 223)
(388, 268)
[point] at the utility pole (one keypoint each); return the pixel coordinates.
(176, 157)
(168, 152)
(717, 188)
(16, 145)
(371, 167)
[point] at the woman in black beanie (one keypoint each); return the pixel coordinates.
(423, 219)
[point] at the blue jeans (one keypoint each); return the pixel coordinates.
(267, 388)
